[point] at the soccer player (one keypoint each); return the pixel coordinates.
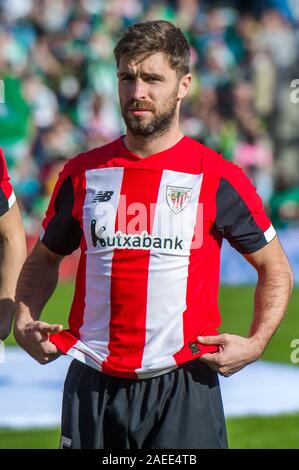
(12, 249)
(149, 212)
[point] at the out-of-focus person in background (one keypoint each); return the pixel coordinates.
(12, 249)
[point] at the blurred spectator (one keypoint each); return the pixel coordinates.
(285, 205)
(56, 60)
(253, 154)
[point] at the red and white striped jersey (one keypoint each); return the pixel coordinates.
(7, 196)
(150, 232)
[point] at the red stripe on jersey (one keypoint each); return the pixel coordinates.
(50, 213)
(79, 185)
(63, 340)
(3, 167)
(6, 188)
(4, 177)
(78, 305)
(199, 316)
(129, 275)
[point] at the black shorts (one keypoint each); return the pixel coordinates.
(181, 409)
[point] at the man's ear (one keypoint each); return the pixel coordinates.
(184, 85)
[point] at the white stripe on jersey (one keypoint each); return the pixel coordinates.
(168, 274)
(97, 313)
(270, 233)
(87, 356)
(84, 354)
(11, 200)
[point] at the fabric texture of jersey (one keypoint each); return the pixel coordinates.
(150, 232)
(7, 196)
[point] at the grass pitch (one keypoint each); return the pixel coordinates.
(276, 432)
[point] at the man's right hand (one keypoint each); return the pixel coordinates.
(33, 337)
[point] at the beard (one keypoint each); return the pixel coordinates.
(157, 124)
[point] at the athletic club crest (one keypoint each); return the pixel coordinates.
(178, 198)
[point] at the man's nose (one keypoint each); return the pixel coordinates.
(139, 89)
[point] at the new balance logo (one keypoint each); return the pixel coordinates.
(103, 196)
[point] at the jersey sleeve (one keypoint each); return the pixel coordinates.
(7, 196)
(240, 215)
(61, 231)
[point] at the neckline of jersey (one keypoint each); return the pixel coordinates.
(162, 152)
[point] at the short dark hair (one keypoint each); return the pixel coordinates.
(150, 37)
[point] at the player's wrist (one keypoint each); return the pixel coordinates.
(258, 345)
(21, 325)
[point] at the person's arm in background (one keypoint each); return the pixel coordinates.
(273, 290)
(37, 282)
(12, 249)
(12, 257)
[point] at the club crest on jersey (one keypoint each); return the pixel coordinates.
(178, 198)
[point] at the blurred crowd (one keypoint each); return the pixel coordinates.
(57, 64)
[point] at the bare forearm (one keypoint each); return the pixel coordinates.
(12, 257)
(274, 287)
(272, 293)
(36, 284)
(271, 299)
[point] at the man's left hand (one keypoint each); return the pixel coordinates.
(235, 352)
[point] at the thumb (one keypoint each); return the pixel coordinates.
(211, 339)
(44, 327)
